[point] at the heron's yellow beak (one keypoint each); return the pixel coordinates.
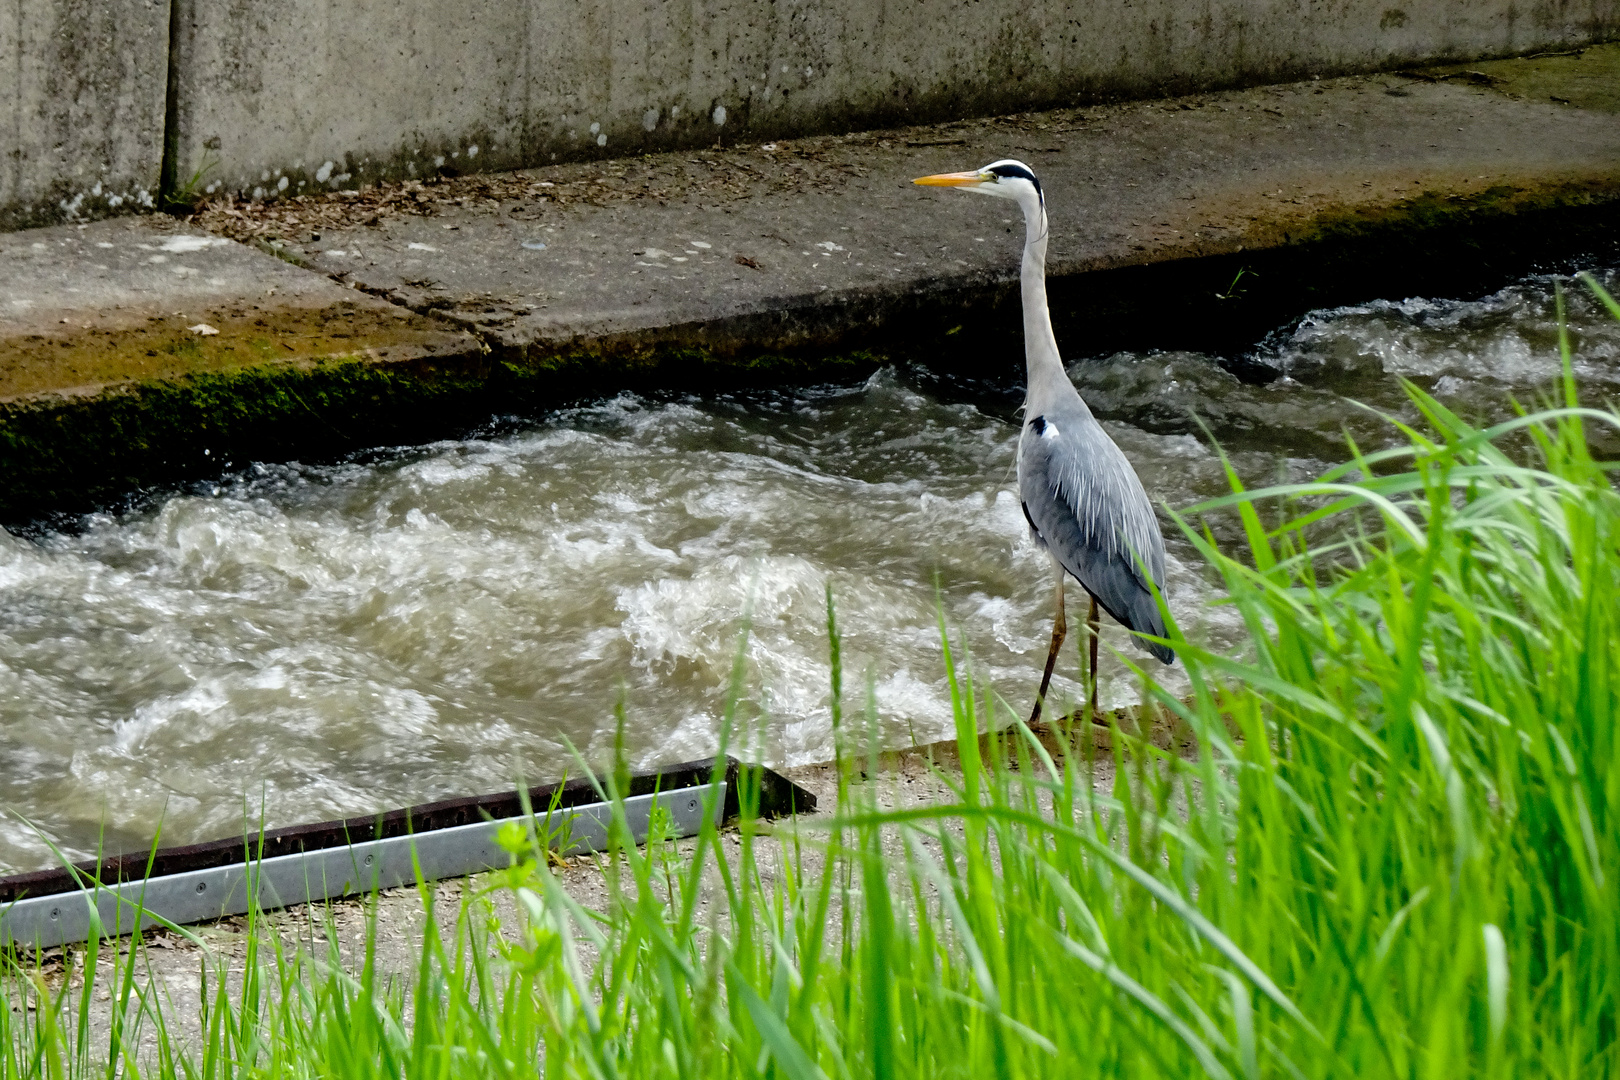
(951, 179)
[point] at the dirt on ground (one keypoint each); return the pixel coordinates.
(716, 175)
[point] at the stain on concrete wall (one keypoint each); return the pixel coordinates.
(81, 107)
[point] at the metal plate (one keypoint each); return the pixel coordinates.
(311, 876)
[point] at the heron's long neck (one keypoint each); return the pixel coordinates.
(1043, 363)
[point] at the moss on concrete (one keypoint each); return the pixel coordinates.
(167, 346)
(71, 452)
(209, 411)
(644, 361)
(1580, 78)
(1433, 211)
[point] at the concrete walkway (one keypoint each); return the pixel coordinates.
(400, 314)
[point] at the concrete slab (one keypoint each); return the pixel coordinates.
(823, 243)
(81, 107)
(135, 351)
(331, 93)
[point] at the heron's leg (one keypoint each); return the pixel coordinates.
(1060, 628)
(1091, 669)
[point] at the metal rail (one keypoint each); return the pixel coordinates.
(309, 876)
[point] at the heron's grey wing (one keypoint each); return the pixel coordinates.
(1087, 505)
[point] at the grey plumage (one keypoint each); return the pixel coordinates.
(1086, 507)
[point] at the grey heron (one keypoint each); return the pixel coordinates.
(1085, 505)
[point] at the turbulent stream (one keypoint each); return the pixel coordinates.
(300, 642)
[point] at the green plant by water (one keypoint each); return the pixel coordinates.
(1394, 853)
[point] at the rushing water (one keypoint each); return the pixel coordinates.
(312, 642)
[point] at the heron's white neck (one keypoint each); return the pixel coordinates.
(1043, 363)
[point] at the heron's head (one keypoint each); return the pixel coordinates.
(1006, 179)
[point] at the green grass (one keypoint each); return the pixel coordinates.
(1395, 853)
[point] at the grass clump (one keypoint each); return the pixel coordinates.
(1394, 854)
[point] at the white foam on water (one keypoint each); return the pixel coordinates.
(1506, 339)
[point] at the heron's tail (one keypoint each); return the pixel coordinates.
(1164, 652)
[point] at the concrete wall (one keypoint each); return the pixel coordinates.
(389, 87)
(296, 95)
(81, 107)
